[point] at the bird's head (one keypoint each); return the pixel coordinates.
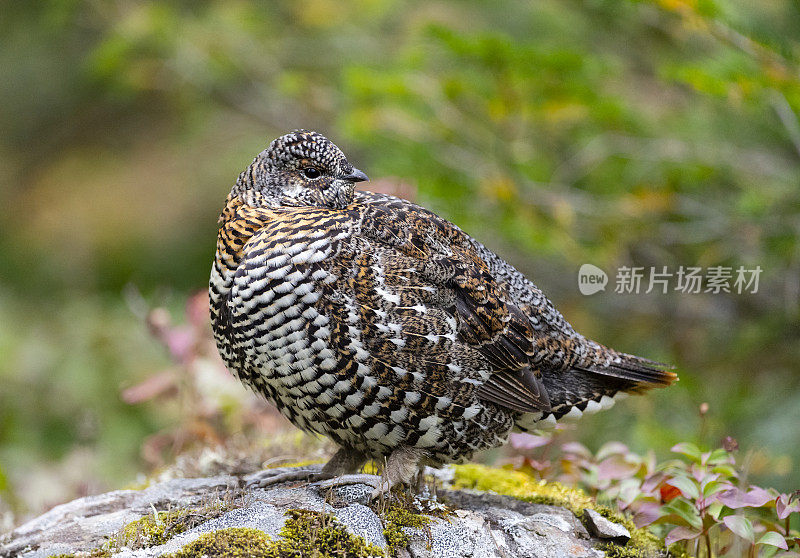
(302, 168)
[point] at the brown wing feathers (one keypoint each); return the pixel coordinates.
(504, 336)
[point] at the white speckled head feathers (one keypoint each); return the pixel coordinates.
(301, 168)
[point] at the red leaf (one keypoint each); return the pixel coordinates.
(668, 492)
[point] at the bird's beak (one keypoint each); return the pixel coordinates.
(355, 176)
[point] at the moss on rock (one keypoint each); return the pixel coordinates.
(520, 485)
(305, 534)
(152, 530)
(643, 543)
(231, 542)
(394, 521)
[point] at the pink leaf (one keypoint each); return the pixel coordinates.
(576, 448)
(615, 468)
(197, 313)
(395, 187)
(680, 534)
(612, 448)
(522, 441)
(651, 483)
(153, 386)
(180, 342)
(537, 465)
(646, 514)
(736, 498)
(785, 506)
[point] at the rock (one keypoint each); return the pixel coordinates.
(479, 524)
(603, 528)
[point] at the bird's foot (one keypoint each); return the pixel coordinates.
(278, 475)
(372, 481)
(399, 468)
(380, 485)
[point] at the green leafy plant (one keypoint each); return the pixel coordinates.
(700, 502)
(707, 502)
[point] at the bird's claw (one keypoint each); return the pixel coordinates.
(381, 486)
(270, 477)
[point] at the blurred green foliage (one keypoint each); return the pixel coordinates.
(652, 133)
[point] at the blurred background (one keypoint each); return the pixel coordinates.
(652, 133)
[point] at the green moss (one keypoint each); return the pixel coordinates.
(159, 527)
(231, 542)
(305, 534)
(152, 530)
(310, 533)
(519, 485)
(394, 521)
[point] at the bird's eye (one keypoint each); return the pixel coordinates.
(311, 173)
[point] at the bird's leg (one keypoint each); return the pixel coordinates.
(419, 481)
(344, 461)
(401, 466)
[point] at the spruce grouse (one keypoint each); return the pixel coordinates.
(368, 319)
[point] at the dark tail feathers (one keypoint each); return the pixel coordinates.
(643, 373)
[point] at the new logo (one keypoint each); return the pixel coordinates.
(591, 279)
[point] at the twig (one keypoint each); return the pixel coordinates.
(787, 117)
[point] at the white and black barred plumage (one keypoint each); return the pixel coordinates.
(372, 321)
